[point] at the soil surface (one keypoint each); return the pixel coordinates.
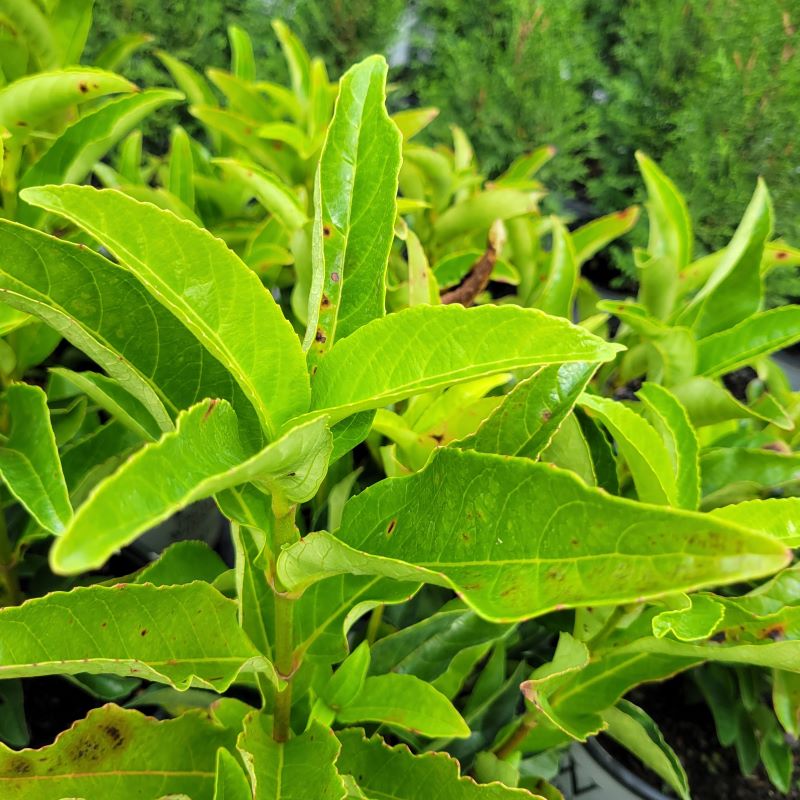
(688, 727)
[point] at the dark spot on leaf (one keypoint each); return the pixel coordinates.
(113, 733)
(574, 542)
(626, 212)
(774, 632)
(143, 632)
(277, 145)
(390, 528)
(325, 301)
(437, 437)
(103, 624)
(719, 638)
(19, 766)
(326, 231)
(546, 414)
(22, 123)
(781, 254)
(291, 474)
(335, 277)
(320, 336)
(83, 87)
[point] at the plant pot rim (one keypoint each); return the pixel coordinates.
(621, 773)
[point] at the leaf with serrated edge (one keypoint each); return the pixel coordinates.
(457, 524)
(531, 412)
(201, 457)
(116, 752)
(429, 347)
(219, 299)
(230, 782)
(354, 210)
(29, 462)
(181, 635)
(395, 773)
(105, 312)
(288, 770)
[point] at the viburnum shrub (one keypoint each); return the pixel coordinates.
(525, 527)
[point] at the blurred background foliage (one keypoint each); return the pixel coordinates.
(709, 88)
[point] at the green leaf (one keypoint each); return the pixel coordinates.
(216, 296)
(524, 167)
(643, 449)
(296, 59)
(411, 121)
(243, 63)
(480, 211)
(104, 311)
(13, 725)
(670, 245)
(190, 82)
(181, 168)
(326, 611)
(394, 773)
(636, 731)
(70, 25)
(592, 237)
(354, 210)
(758, 335)
(558, 292)
(29, 462)
(183, 562)
(427, 648)
(180, 635)
(72, 156)
(269, 190)
(671, 421)
(456, 524)
(406, 702)
(429, 347)
(723, 466)
(119, 50)
(451, 269)
(230, 782)
(778, 516)
(698, 618)
(113, 399)
(116, 752)
(287, 770)
(28, 22)
(201, 457)
(734, 290)
(531, 412)
(27, 102)
(347, 682)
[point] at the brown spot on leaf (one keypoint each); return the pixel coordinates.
(143, 632)
(83, 87)
(774, 632)
(390, 528)
(325, 301)
(326, 231)
(211, 406)
(335, 277)
(320, 336)
(19, 766)
(546, 414)
(781, 254)
(113, 733)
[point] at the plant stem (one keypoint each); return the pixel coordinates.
(517, 737)
(8, 572)
(374, 623)
(285, 533)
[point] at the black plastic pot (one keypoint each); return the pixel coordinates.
(589, 773)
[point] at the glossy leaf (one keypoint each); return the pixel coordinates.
(29, 462)
(427, 347)
(531, 412)
(119, 752)
(201, 457)
(180, 635)
(86, 141)
(411, 121)
(723, 466)
(452, 524)
(733, 291)
(636, 731)
(119, 50)
(180, 178)
(406, 702)
(243, 63)
(218, 298)
(29, 101)
(347, 682)
(671, 421)
(183, 562)
(758, 335)
(779, 517)
(105, 312)
(394, 773)
(13, 725)
(287, 770)
(480, 211)
(642, 447)
(354, 210)
(190, 82)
